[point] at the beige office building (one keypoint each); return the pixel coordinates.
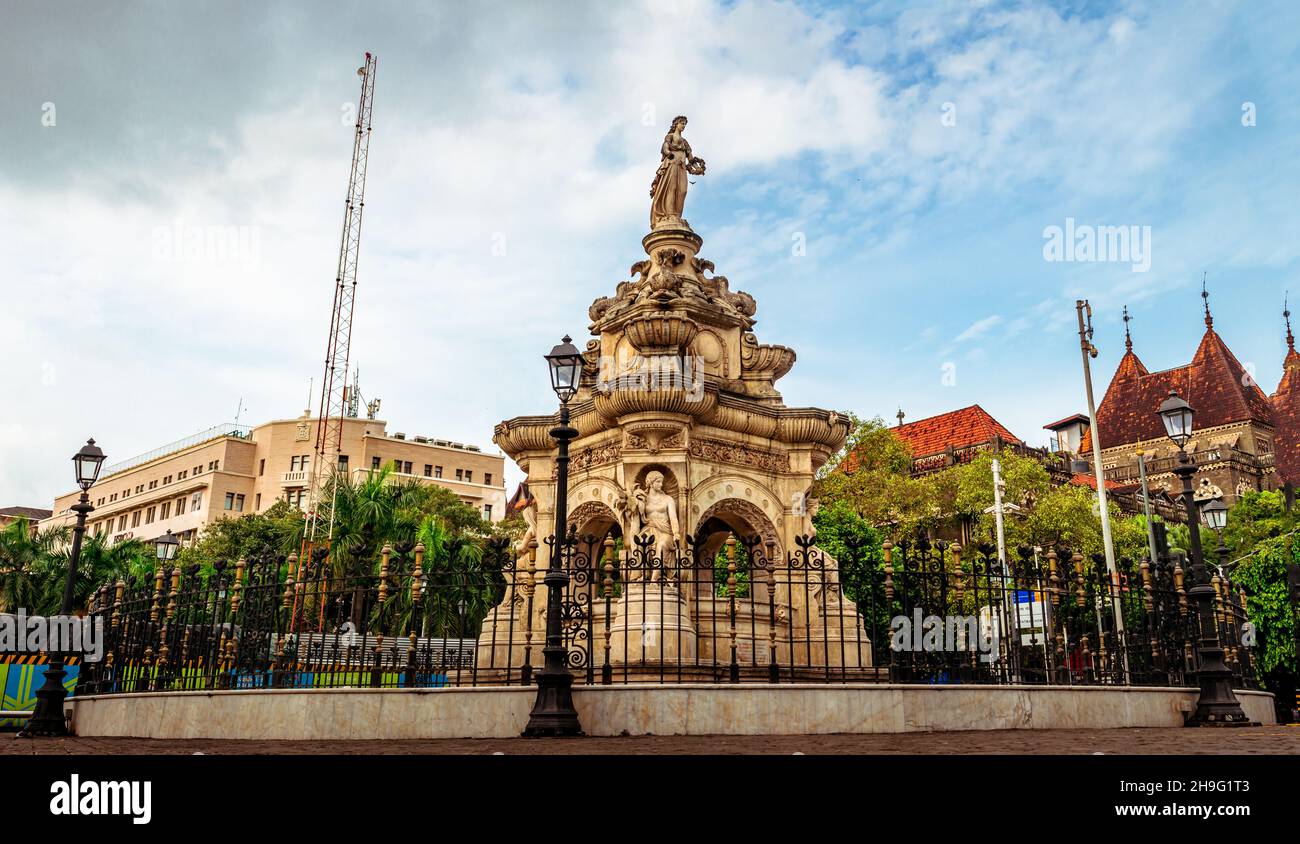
(230, 470)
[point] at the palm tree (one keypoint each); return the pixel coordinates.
(101, 562)
(24, 562)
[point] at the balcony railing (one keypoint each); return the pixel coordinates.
(226, 430)
(1128, 473)
(298, 478)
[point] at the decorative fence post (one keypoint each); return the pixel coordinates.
(734, 670)
(887, 548)
(530, 586)
(773, 666)
(606, 670)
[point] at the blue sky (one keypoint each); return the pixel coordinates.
(920, 151)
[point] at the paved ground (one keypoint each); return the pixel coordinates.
(1251, 740)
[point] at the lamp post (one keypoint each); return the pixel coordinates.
(553, 713)
(47, 718)
(165, 547)
(1217, 705)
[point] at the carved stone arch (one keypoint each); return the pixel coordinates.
(748, 490)
(596, 518)
(737, 516)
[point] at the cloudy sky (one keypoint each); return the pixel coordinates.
(919, 151)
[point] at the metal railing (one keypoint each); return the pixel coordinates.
(228, 429)
(715, 611)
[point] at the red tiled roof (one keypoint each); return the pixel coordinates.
(1090, 481)
(1215, 384)
(1286, 416)
(959, 428)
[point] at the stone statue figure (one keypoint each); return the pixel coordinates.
(653, 512)
(668, 191)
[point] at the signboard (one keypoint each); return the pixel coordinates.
(1031, 617)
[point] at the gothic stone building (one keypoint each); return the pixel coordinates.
(1243, 439)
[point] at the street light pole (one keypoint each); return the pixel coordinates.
(1088, 350)
(553, 713)
(1217, 705)
(47, 718)
(1146, 504)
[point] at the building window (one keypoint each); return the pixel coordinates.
(121, 523)
(343, 462)
(166, 511)
(406, 468)
(167, 480)
(149, 514)
(487, 512)
(180, 506)
(469, 476)
(257, 502)
(153, 485)
(196, 501)
(182, 474)
(135, 519)
(239, 503)
(374, 463)
(487, 478)
(139, 489)
(293, 463)
(437, 471)
(428, 470)
(230, 501)
(460, 474)
(261, 467)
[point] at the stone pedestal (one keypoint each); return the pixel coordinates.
(835, 637)
(504, 641)
(651, 624)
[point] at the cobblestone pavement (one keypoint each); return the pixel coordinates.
(1247, 740)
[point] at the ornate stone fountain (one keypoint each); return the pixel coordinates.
(678, 389)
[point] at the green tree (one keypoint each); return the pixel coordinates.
(872, 475)
(278, 529)
(1257, 516)
(25, 560)
(1268, 605)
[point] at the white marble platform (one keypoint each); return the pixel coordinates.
(638, 709)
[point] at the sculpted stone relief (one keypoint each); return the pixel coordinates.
(739, 455)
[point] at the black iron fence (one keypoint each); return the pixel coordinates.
(723, 610)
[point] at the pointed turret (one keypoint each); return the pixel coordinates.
(1286, 412)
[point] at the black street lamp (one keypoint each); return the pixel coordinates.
(47, 718)
(165, 547)
(553, 713)
(1217, 705)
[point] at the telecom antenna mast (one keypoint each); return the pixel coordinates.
(334, 385)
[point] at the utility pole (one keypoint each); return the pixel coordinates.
(1010, 609)
(1088, 350)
